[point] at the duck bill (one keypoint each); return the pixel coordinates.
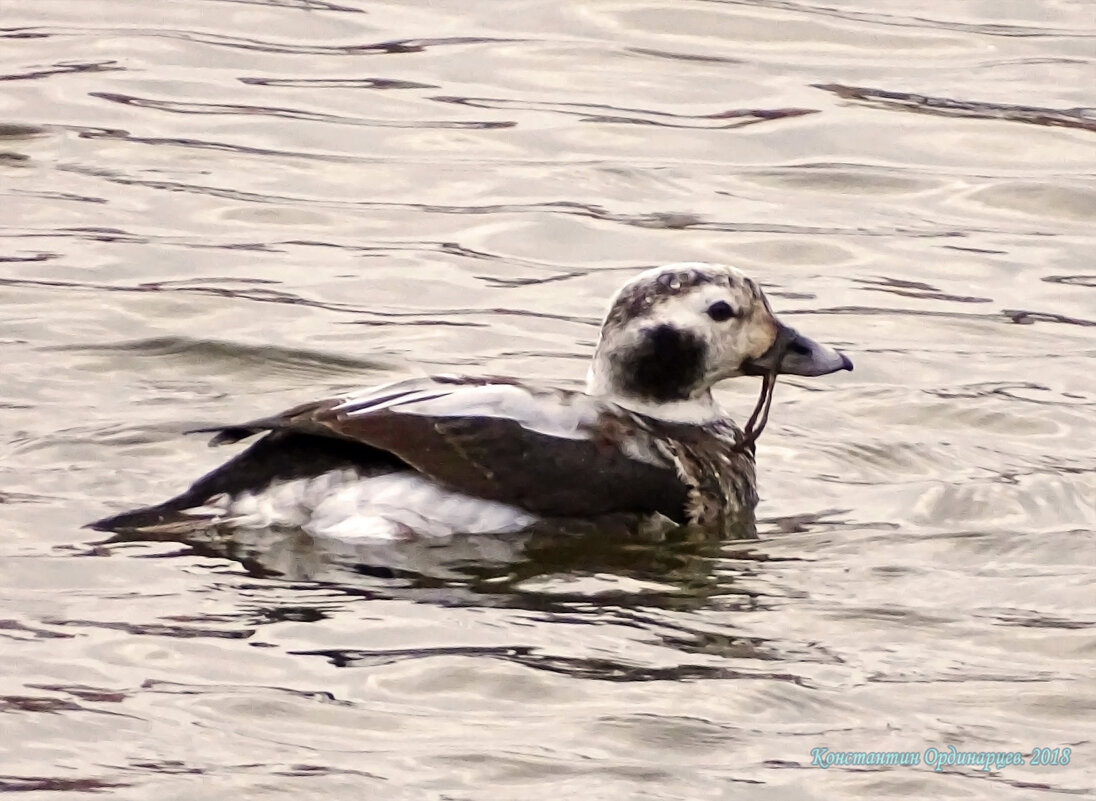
(794, 354)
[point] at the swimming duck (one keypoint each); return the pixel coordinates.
(449, 454)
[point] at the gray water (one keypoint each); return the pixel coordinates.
(212, 210)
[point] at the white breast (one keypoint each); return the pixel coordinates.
(343, 505)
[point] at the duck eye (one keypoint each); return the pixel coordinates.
(721, 311)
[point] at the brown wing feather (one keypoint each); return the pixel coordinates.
(497, 458)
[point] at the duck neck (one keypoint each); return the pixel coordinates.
(697, 408)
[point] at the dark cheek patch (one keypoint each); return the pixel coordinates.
(666, 365)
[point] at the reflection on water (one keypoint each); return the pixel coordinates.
(572, 576)
(213, 209)
(673, 567)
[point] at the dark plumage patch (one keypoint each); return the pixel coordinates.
(666, 365)
(279, 456)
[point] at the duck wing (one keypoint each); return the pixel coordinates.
(554, 453)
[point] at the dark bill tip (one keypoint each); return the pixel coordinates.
(799, 355)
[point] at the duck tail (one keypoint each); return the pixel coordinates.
(164, 518)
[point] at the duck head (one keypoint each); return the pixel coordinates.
(674, 331)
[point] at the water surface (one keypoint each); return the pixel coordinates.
(216, 209)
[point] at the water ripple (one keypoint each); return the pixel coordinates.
(914, 21)
(1082, 118)
(292, 114)
(217, 208)
(337, 83)
(65, 68)
(591, 112)
(394, 47)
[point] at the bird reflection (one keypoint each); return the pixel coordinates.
(606, 561)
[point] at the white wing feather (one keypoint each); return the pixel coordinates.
(565, 415)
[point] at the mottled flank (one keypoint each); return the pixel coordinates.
(720, 476)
